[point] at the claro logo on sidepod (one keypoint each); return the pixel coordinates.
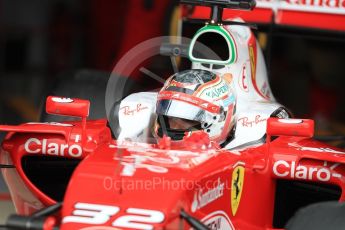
(284, 169)
(34, 145)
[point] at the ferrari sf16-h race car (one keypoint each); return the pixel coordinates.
(76, 175)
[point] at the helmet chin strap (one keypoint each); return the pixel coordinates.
(163, 125)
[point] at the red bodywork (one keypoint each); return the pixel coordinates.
(313, 14)
(144, 186)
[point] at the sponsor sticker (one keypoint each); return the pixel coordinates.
(229, 100)
(286, 169)
(213, 108)
(236, 188)
(50, 123)
(128, 111)
(136, 161)
(320, 6)
(218, 220)
(218, 92)
(203, 197)
(243, 79)
(62, 100)
(34, 145)
(290, 121)
(314, 149)
(96, 214)
(100, 228)
(250, 122)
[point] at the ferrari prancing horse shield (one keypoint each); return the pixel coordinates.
(236, 188)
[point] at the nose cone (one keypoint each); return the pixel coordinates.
(120, 182)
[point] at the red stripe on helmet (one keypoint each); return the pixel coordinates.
(206, 105)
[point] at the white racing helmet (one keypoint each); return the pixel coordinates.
(196, 100)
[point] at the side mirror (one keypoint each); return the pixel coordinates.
(285, 127)
(290, 127)
(67, 106)
(70, 107)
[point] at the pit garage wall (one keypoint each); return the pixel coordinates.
(44, 41)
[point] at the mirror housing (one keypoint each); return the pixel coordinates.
(285, 127)
(67, 106)
(290, 127)
(70, 107)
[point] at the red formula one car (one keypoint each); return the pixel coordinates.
(75, 175)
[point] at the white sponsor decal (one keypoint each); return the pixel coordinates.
(62, 100)
(203, 198)
(320, 150)
(134, 218)
(290, 121)
(139, 219)
(99, 228)
(321, 6)
(34, 145)
(176, 96)
(205, 105)
(284, 169)
(77, 138)
(91, 213)
(243, 79)
(134, 161)
(49, 123)
(218, 220)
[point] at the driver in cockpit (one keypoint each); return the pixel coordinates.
(190, 102)
(196, 101)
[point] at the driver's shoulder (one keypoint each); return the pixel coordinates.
(251, 122)
(136, 114)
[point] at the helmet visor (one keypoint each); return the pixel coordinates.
(181, 109)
